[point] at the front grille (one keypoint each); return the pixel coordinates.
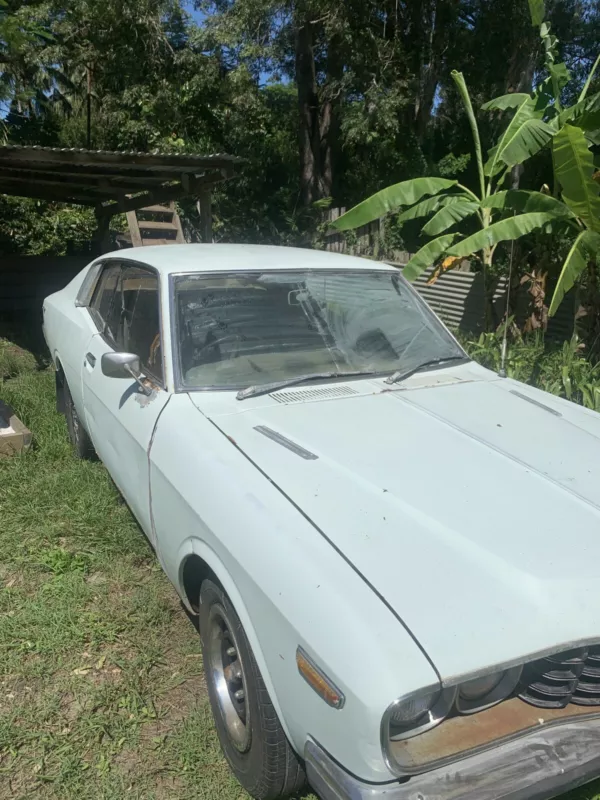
(563, 678)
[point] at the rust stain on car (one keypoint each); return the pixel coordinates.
(470, 733)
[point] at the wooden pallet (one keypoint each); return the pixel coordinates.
(155, 225)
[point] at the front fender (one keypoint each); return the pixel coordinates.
(199, 548)
(289, 586)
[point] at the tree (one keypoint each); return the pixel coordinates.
(536, 119)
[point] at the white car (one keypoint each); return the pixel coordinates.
(394, 553)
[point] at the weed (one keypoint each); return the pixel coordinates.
(562, 369)
(101, 686)
(99, 697)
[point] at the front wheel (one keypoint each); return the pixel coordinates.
(249, 730)
(82, 444)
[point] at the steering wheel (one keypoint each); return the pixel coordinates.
(226, 338)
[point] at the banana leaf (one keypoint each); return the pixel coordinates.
(446, 217)
(574, 166)
(429, 206)
(527, 140)
(394, 197)
(422, 209)
(585, 247)
(537, 12)
(505, 230)
(506, 101)
(427, 256)
(586, 86)
(461, 85)
(525, 111)
(523, 201)
(524, 136)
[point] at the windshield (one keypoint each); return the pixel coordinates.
(239, 329)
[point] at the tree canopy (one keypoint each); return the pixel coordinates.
(328, 101)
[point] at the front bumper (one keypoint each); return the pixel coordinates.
(537, 766)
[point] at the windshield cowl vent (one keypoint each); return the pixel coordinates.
(315, 393)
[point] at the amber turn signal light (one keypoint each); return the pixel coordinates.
(317, 680)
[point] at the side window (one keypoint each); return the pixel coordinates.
(140, 318)
(104, 299)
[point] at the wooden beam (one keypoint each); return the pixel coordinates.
(180, 238)
(153, 225)
(131, 184)
(136, 236)
(102, 235)
(162, 195)
(107, 192)
(104, 171)
(55, 195)
(205, 209)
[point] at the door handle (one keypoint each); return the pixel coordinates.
(91, 359)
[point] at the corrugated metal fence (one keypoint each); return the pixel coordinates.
(457, 296)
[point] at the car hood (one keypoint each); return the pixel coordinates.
(472, 507)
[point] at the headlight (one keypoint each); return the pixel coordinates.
(419, 712)
(480, 693)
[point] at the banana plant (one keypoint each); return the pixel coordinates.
(447, 203)
(574, 168)
(535, 120)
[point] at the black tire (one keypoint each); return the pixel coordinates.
(82, 444)
(258, 752)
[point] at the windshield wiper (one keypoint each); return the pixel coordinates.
(399, 376)
(267, 388)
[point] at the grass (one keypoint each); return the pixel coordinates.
(101, 688)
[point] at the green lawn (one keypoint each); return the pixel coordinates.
(101, 687)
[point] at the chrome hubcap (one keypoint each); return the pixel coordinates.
(226, 671)
(75, 421)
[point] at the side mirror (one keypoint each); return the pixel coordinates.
(124, 365)
(120, 365)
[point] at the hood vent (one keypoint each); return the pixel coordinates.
(318, 393)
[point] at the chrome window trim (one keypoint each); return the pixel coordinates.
(387, 269)
(88, 285)
(160, 382)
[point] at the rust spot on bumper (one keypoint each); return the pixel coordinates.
(464, 735)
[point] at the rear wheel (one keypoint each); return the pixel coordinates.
(82, 444)
(249, 730)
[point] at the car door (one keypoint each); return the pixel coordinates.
(120, 416)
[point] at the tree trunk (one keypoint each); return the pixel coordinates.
(318, 120)
(329, 127)
(309, 134)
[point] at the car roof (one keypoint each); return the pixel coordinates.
(174, 258)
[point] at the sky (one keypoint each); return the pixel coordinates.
(196, 15)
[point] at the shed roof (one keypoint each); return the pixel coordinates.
(110, 181)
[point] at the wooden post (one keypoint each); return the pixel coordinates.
(89, 107)
(134, 229)
(205, 211)
(103, 233)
